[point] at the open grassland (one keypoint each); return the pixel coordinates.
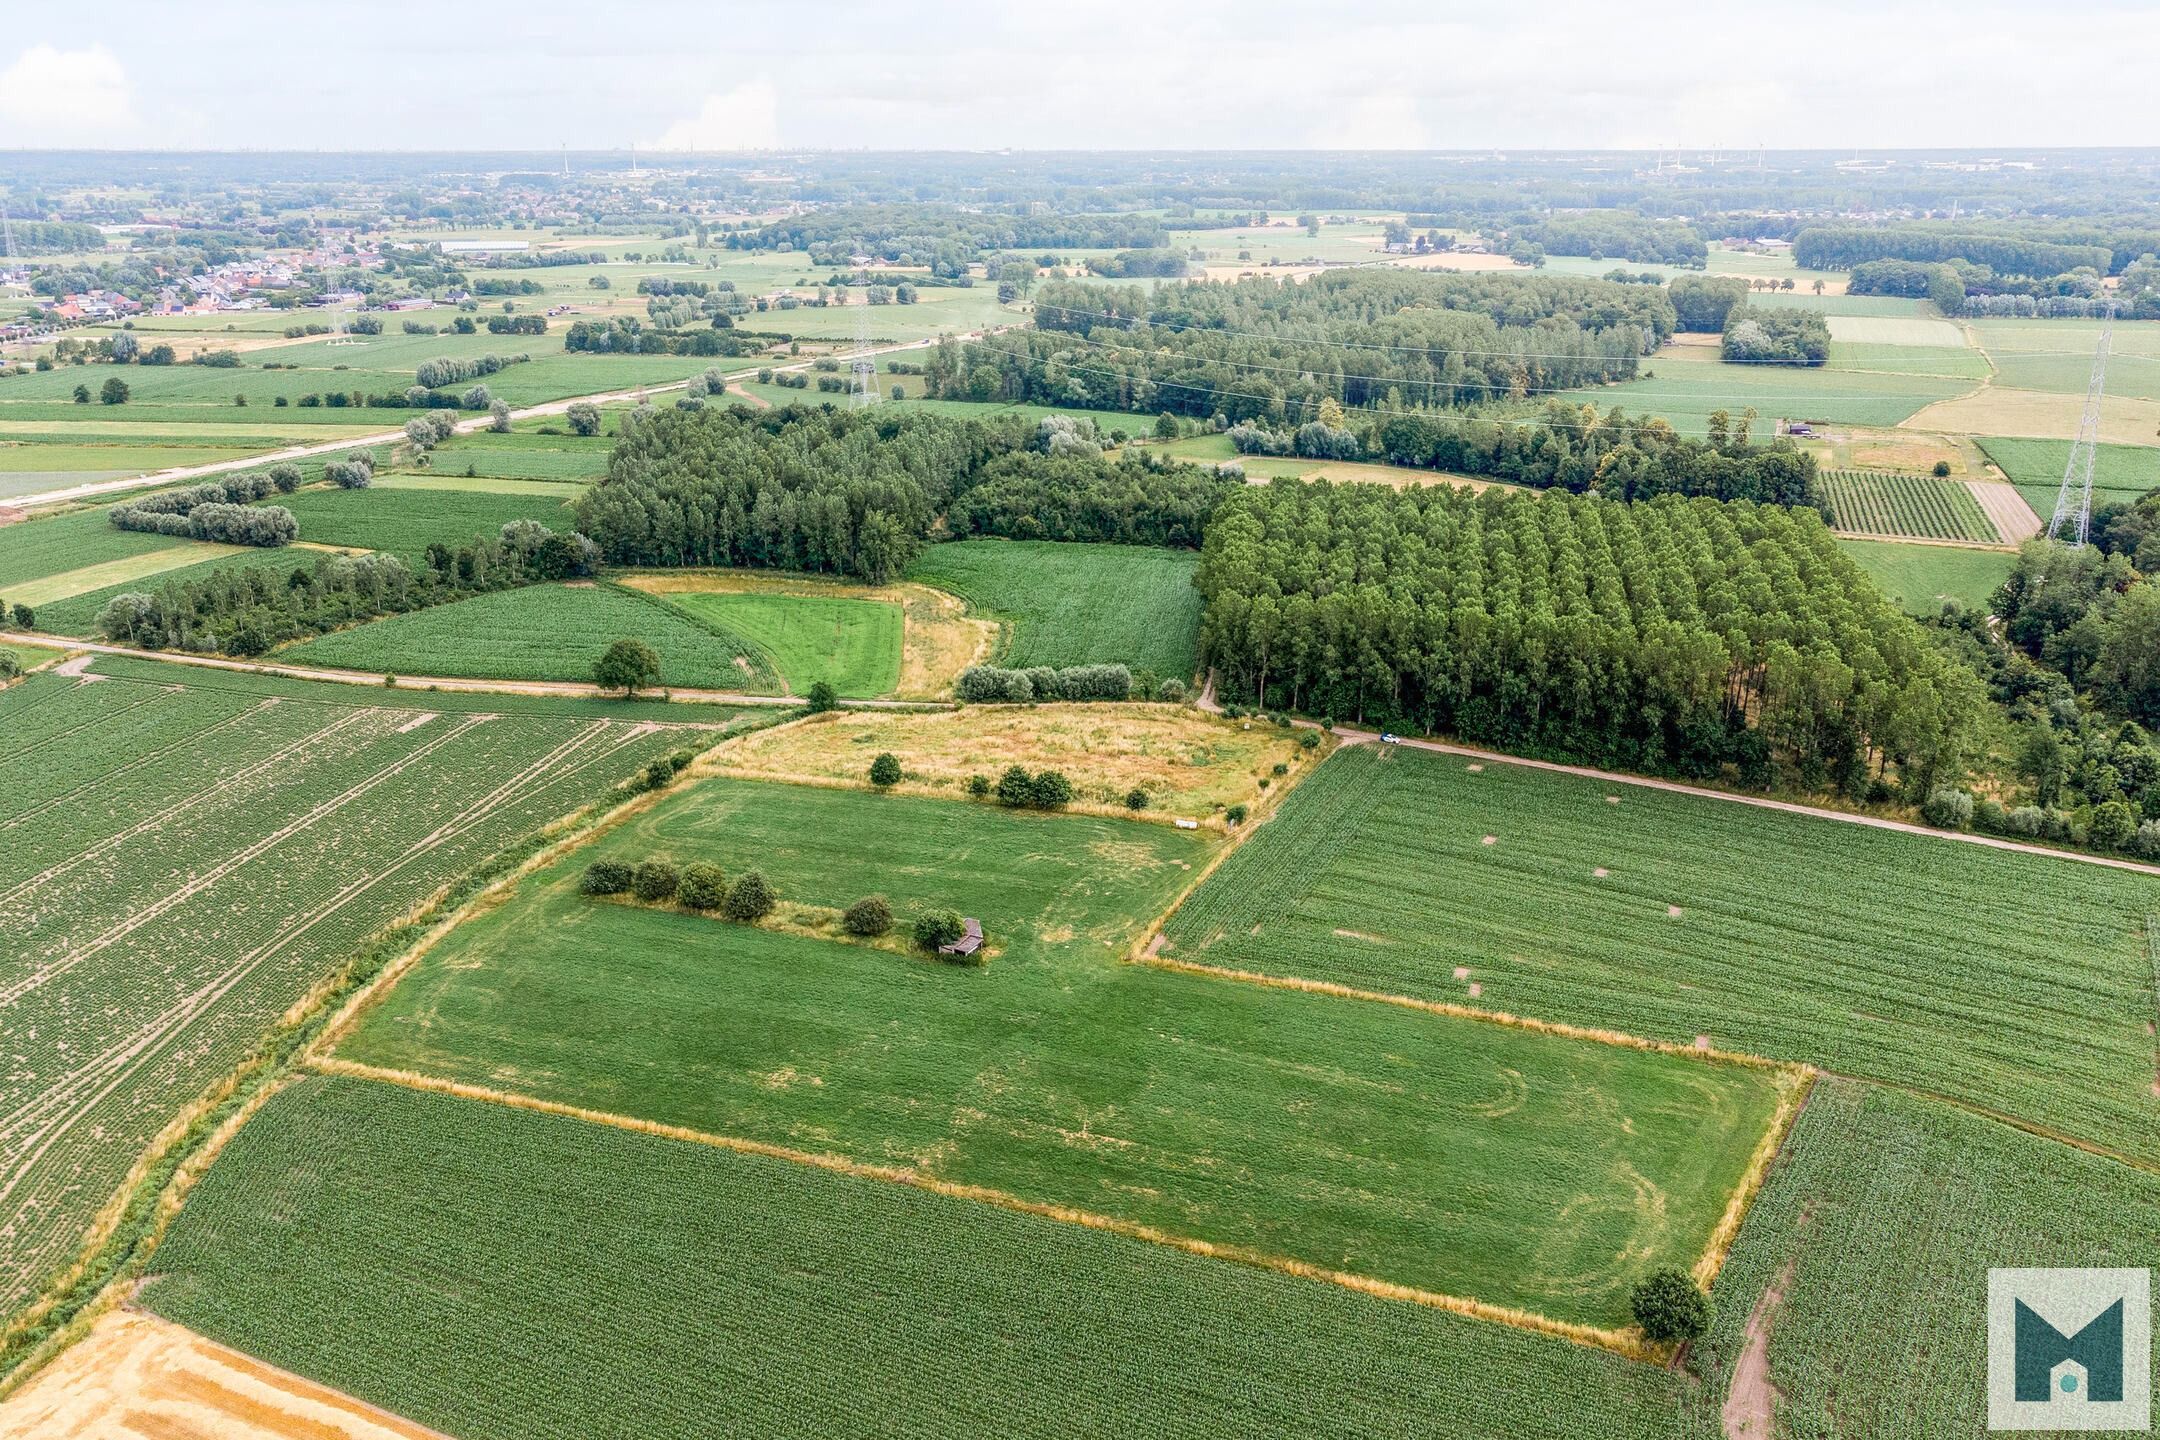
(2057, 355)
(409, 1249)
(2021, 985)
(1921, 577)
(1897, 359)
(540, 632)
(852, 645)
(1877, 1228)
(407, 521)
(1207, 1110)
(2121, 473)
(41, 547)
(179, 865)
(27, 656)
(1685, 384)
(1905, 331)
(1077, 604)
(938, 638)
(1188, 763)
(523, 455)
(1865, 502)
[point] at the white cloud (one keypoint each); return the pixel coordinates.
(745, 118)
(52, 97)
(1373, 122)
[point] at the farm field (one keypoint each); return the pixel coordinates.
(2023, 987)
(77, 614)
(1878, 1227)
(1920, 507)
(539, 632)
(1921, 577)
(406, 520)
(306, 1232)
(286, 826)
(2121, 473)
(1686, 383)
(2057, 354)
(1907, 331)
(523, 455)
(1189, 763)
(1070, 604)
(853, 645)
(44, 546)
(1061, 1076)
(1901, 359)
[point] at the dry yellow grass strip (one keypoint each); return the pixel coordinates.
(1190, 763)
(938, 638)
(1793, 1093)
(71, 583)
(1627, 1342)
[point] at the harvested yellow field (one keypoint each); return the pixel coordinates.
(2039, 414)
(136, 1375)
(118, 572)
(1191, 764)
(938, 638)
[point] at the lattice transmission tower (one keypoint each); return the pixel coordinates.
(2073, 502)
(863, 367)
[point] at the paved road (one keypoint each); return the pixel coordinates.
(559, 688)
(386, 437)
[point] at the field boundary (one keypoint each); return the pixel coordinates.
(1627, 1343)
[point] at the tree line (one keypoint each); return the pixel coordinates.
(1757, 336)
(1841, 247)
(1669, 636)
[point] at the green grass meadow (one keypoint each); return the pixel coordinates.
(1206, 1108)
(1070, 604)
(1921, 577)
(853, 645)
(405, 521)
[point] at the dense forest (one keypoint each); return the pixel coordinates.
(943, 237)
(1672, 636)
(2012, 251)
(1270, 351)
(859, 493)
(1611, 235)
(1756, 336)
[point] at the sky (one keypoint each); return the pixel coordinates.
(731, 75)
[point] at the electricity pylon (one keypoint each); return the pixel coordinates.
(2078, 472)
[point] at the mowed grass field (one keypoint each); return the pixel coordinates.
(2020, 985)
(853, 645)
(1868, 502)
(180, 863)
(405, 521)
(1685, 384)
(1071, 604)
(1347, 1135)
(408, 1249)
(1920, 577)
(540, 632)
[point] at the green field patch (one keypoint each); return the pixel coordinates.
(1908, 359)
(1903, 331)
(405, 521)
(409, 1249)
(1920, 507)
(49, 545)
(2121, 473)
(852, 645)
(2022, 985)
(540, 632)
(1921, 577)
(479, 485)
(1685, 384)
(128, 570)
(182, 864)
(1070, 604)
(1207, 1108)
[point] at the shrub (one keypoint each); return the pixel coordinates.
(2025, 820)
(822, 698)
(1235, 814)
(1942, 470)
(978, 785)
(654, 880)
(2112, 825)
(348, 474)
(1016, 786)
(286, 478)
(1050, 791)
(2147, 840)
(1136, 799)
(1310, 740)
(1172, 691)
(703, 887)
(751, 897)
(657, 775)
(1280, 770)
(1948, 809)
(1670, 1307)
(937, 927)
(867, 916)
(885, 770)
(605, 877)
(584, 418)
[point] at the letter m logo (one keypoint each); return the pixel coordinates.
(2098, 1348)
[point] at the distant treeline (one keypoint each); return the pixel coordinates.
(626, 335)
(52, 237)
(1675, 636)
(2010, 252)
(222, 511)
(1269, 351)
(944, 237)
(1613, 235)
(859, 493)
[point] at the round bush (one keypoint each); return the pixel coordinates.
(751, 897)
(1050, 790)
(655, 880)
(978, 785)
(1171, 690)
(937, 927)
(605, 877)
(1016, 786)
(1948, 809)
(1235, 814)
(868, 916)
(885, 770)
(1136, 799)
(822, 698)
(703, 886)
(1669, 1307)
(2113, 824)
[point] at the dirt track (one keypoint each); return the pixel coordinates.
(137, 1375)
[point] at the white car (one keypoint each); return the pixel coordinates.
(1388, 739)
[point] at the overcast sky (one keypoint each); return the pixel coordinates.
(972, 74)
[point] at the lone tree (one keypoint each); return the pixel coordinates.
(885, 770)
(822, 698)
(703, 886)
(1670, 1307)
(584, 417)
(114, 391)
(628, 666)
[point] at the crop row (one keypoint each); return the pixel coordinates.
(1867, 502)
